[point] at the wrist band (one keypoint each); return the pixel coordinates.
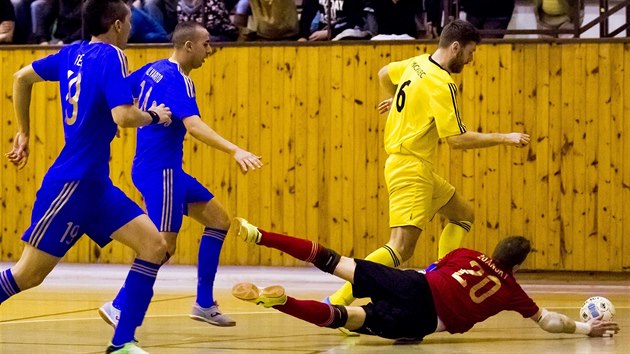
(155, 118)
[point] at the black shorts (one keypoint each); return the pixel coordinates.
(402, 304)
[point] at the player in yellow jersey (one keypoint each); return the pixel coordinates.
(423, 109)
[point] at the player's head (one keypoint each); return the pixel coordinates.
(512, 251)
(110, 18)
(459, 38)
(192, 41)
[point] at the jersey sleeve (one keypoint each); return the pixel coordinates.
(446, 111)
(396, 69)
(135, 78)
(116, 87)
(48, 68)
(523, 304)
(183, 99)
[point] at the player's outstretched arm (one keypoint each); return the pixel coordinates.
(475, 140)
(23, 81)
(554, 322)
(130, 116)
(202, 132)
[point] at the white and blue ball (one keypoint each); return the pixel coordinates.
(597, 306)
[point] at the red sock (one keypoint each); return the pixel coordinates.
(301, 249)
(315, 312)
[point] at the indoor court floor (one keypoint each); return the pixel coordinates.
(60, 316)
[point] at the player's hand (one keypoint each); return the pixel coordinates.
(384, 106)
(162, 111)
(18, 155)
(600, 328)
(516, 139)
(247, 160)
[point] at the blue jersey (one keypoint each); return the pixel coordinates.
(160, 147)
(92, 81)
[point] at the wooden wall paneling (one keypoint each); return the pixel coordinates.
(505, 153)
(592, 120)
(604, 169)
(540, 148)
(616, 155)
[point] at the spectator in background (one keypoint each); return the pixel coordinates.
(436, 18)
(489, 14)
(275, 19)
(241, 11)
(22, 31)
(7, 21)
(43, 18)
(212, 14)
(163, 12)
(145, 29)
(64, 14)
(394, 19)
(559, 14)
(347, 20)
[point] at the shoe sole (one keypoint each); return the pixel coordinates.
(218, 324)
(241, 231)
(106, 318)
(251, 293)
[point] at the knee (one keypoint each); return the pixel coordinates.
(171, 248)
(154, 249)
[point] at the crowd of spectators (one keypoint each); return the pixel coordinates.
(59, 21)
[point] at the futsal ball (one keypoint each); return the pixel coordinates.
(596, 306)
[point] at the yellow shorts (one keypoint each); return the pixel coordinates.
(416, 193)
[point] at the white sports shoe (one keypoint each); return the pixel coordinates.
(211, 315)
(109, 314)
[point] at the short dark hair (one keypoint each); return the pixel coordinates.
(184, 32)
(100, 15)
(511, 251)
(459, 31)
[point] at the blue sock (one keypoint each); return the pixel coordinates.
(207, 264)
(120, 298)
(138, 293)
(8, 286)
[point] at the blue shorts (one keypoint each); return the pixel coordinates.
(167, 194)
(64, 211)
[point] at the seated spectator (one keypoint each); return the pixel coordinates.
(22, 31)
(66, 16)
(43, 19)
(489, 14)
(347, 20)
(394, 19)
(559, 14)
(163, 12)
(212, 14)
(144, 29)
(241, 12)
(275, 19)
(435, 16)
(7, 21)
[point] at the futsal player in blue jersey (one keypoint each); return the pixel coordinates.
(168, 191)
(77, 196)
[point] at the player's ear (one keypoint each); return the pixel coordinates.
(117, 25)
(456, 46)
(188, 45)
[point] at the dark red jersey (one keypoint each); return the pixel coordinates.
(468, 287)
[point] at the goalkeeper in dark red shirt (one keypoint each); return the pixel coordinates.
(466, 287)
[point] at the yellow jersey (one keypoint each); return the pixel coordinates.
(424, 108)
